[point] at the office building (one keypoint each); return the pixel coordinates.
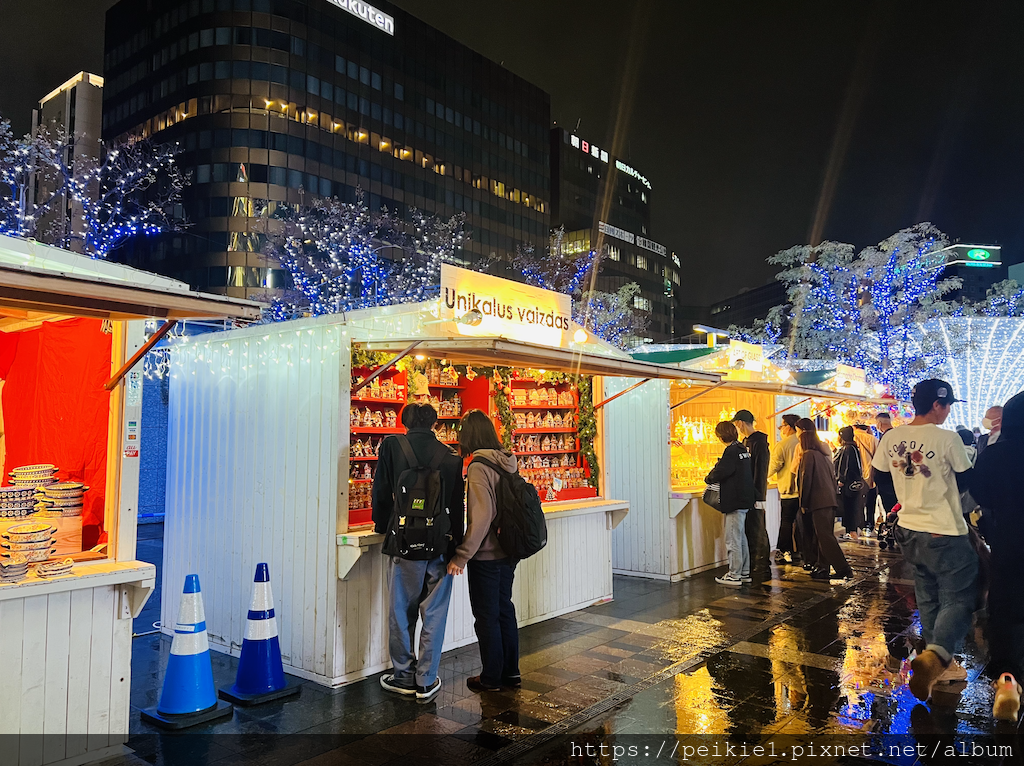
(75, 109)
(285, 100)
(747, 305)
(599, 198)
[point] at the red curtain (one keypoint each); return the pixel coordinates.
(55, 408)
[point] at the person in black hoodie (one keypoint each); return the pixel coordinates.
(735, 479)
(996, 486)
(850, 480)
(418, 588)
(755, 527)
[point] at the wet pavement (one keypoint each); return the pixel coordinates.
(691, 672)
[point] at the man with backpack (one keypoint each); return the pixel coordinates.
(418, 503)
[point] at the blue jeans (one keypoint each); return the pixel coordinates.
(490, 596)
(736, 546)
(420, 589)
(946, 586)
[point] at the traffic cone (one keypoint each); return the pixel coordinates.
(261, 675)
(188, 696)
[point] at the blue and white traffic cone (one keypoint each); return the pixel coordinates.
(261, 675)
(188, 696)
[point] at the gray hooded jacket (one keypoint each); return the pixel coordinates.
(480, 542)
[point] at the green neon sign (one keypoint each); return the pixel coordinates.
(978, 254)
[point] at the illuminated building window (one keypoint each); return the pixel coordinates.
(644, 304)
(641, 261)
(613, 253)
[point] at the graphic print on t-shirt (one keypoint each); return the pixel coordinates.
(908, 458)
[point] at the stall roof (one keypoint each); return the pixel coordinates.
(782, 389)
(38, 281)
(499, 351)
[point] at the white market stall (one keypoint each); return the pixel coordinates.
(662, 443)
(270, 452)
(71, 406)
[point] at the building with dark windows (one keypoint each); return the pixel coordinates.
(603, 202)
(74, 109)
(747, 305)
(282, 100)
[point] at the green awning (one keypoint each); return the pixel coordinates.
(674, 357)
(812, 377)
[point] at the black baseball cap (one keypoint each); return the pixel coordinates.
(927, 392)
(744, 415)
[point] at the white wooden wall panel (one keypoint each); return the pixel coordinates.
(572, 572)
(252, 477)
(636, 465)
(66, 659)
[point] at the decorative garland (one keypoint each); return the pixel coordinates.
(369, 359)
(588, 429)
(502, 388)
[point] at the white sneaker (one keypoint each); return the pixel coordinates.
(953, 673)
(732, 582)
(389, 683)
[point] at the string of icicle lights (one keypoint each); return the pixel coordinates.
(992, 369)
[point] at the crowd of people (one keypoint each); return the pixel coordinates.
(959, 516)
(953, 493)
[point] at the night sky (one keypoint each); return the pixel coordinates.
(753, 121)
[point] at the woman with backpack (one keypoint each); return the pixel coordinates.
(490, 571)
(734, 475)
(850, 480)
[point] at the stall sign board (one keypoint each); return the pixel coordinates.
(850, 380)
(509, 309)
(751, 354)
(131, 438)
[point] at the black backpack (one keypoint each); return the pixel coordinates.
(519, 522)
(420, 526)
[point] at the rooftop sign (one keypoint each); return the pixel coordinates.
(973, 255)
(367, 13)
(597, 153)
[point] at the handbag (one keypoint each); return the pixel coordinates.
(713, 496)
(853, 489)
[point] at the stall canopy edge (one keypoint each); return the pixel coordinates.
(500, 351)
(44, 280)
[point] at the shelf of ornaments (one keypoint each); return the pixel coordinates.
(357, 457)
(361, 400)
(545, 430)
(551, 452)
(544, 406)
(361, 430)
(449, 417)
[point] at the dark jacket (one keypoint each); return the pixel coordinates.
(817, 482)
(847, 466)
(733, 473)
(996, 486)
(760, 457)
(392, 462)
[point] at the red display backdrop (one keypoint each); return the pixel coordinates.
(56, 409)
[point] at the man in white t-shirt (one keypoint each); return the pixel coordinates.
(925, 464)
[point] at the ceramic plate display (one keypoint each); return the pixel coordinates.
(73, 500)
(38, 468)
(55, 568)
(31, 531)
(66, 486)
(27, 547)
(8, 493)
(33, 556)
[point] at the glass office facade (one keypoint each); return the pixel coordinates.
(619, 217)
(283, 100)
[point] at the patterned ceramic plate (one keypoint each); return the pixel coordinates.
(31, 531)
(36, 468)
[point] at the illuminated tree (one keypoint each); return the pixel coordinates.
(610, 316)
(870, 309)
(134, 187)
(336, 253)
